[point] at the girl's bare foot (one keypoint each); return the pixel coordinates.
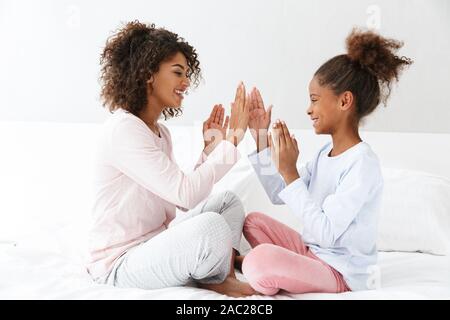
(231, 287)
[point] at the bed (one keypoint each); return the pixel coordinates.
(45, 171)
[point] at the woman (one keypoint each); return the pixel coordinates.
(138, 185)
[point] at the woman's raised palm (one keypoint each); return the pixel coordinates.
(259, 117)
(214, 128)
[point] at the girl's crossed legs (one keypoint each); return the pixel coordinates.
(281, 260)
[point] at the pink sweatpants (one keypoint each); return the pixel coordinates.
(280, 260)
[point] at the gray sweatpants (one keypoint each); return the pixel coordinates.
(196, 246)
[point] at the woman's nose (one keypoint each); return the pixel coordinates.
(186, 83)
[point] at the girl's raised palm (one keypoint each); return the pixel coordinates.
(259, 120)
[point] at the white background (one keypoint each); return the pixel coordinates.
(49, 57)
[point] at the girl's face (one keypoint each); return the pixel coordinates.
(325, 108)
(170, 83)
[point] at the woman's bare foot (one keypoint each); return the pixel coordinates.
(233, 257)
(238, 262)
(231, 287)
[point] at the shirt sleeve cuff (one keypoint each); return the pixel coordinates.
(203, 157)
(223, 158)
(260, 158)
(293, 191)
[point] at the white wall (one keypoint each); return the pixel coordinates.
(49, 57)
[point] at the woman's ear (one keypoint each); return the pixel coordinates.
(346, 100)
(150, 85)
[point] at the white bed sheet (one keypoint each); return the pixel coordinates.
(30, 273)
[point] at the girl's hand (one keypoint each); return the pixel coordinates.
(284, 151)
(239, 116)
(214, 128)
(259, 120)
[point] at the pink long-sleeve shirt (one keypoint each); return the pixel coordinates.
(138, 185)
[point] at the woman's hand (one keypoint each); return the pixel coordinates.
(284, 151)
(259, 120)
(214, 128)
(239, 116)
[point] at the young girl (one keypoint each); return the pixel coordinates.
(138, 185)
(338, 193)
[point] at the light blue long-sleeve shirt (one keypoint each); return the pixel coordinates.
(337, 199)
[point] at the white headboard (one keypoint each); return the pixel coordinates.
(428, 152)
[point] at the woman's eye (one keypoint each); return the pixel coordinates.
(178, 73)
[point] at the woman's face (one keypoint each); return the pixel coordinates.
(170, 83)
(324, 109)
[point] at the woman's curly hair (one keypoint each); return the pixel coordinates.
(130, 58)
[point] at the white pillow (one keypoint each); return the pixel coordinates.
(415, 213)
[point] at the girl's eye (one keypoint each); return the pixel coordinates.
(178, 73)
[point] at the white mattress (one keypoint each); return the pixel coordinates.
(30, 273)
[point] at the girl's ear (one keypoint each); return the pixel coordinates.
(346, 100)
